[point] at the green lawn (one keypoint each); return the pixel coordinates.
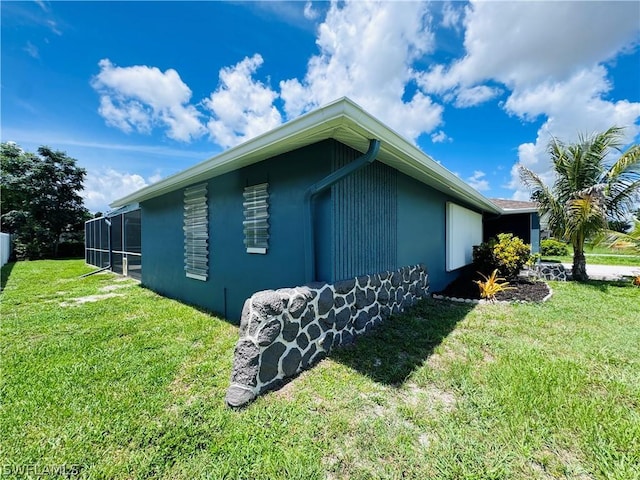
(603, 256)
(131, 385)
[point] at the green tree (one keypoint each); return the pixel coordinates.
(588, 189)
(40, 198)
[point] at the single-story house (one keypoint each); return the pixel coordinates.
(330, 195)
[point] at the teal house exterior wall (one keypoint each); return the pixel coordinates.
(376, 219)
(234, 274)
(422, 229)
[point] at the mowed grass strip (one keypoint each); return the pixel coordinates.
(103, 373)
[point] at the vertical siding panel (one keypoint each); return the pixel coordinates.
(364, 216)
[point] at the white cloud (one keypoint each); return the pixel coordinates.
(470, 97)
(32, 50)
(104, 186)
(241, 107)
(309, 12)
(367, 50)
(451, 16)
(576, 106)
(440, 137)
(140, 98)
(550, 57)
(523, 43)
(478, 181)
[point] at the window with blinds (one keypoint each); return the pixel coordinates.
(196, 232)
(256, 218)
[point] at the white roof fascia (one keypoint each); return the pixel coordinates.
(343, 120)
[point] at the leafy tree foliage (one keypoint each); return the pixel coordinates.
(588, 190)
(40, 199)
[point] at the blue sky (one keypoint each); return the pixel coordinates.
(137, 91)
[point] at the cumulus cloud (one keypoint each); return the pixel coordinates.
(103, 186)
(576, 106)
(523, 43)
(241, 107)
(141, 97)
(367, 50)
(550, 57)
(478, 181)
(470, 97)
(451, 16)
(309, 12)
(440, 137)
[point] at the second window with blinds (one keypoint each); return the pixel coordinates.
(256, 218)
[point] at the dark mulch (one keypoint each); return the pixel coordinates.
(524, 291)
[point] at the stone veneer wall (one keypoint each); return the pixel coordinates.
(283, 332)
(550, 271)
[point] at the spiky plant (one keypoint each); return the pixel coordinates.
(492, 285)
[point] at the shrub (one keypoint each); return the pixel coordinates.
(492, 285)
(506, 253)
(553, 248)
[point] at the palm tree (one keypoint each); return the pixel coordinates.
(588, 189)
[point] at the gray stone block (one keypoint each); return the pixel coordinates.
(270, 359)
(363, 281)
(308, 357)
(361, 299)
(344, 286)
(361, 320)
(327, 342)
(269, 332)
(237, 396)
(308, 317)
(302, 341)
(342, 318)
(297, 305)
(313, 331)
(291, 362)
(290, 330)
(383, 296)
(347, 338)
(328, 322)
(246, 362)
(325, 301)
(339, 302)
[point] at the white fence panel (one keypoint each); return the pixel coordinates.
(5, 248)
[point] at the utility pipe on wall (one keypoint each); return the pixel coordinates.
(315, 189)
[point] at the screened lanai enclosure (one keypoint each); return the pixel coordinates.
(114, 241)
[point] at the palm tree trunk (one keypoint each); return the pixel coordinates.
(579, 271)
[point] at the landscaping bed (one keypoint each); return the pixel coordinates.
(524, 290)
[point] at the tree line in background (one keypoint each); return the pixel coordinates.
(41, 204)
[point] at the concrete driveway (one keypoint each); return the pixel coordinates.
(607, 272)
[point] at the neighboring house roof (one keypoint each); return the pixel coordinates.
(342, 120)
(515, 206)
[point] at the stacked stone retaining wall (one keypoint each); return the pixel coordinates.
(283, 332)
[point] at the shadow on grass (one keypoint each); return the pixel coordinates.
(605, 285)
(5, 274)
(400, 345)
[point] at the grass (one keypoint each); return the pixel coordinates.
(603, 256)
(132, 386)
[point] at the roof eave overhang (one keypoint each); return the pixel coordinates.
(342, 120)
